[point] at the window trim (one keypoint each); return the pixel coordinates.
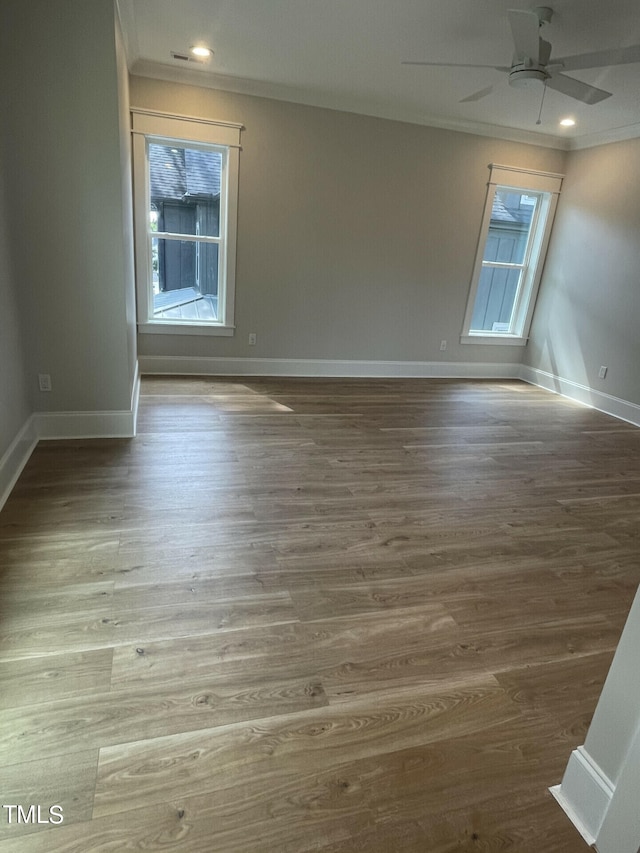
(549, 185)
(184, 130)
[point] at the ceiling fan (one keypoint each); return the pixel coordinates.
(532, 63)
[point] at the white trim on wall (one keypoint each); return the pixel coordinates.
(605, 137)
(135, 399)
(155, 123)
(16, 457)
(52, 425)
(546, 186)
(321, 367)
(221, 137)
(49, 425)
(108, 424)
(585, 794)
(615, 406)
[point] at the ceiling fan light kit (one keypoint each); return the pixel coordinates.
(526, 77)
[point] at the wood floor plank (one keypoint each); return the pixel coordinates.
(292, 574)
(322, 603)
(173, 593)
(55, 603)
(179, 561)
(201, 617)
(33, 681)
(80, 634)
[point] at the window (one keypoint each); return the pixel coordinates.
(513, 241)
(186, 189)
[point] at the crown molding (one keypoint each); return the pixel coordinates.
(604, 137)
(127, 16)
(331, 101)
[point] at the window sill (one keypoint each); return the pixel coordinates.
(160, 328)
(495, 340)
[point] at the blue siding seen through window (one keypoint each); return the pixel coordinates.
(507, 240)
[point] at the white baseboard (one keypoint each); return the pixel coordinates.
(52, 425)
(110, 424)
(16, 457)
(585, 794)
(615, 406)
(321, 367)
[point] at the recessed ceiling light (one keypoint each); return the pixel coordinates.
(202, 52)
(568, 122)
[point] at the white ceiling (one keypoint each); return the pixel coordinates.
(347, 54)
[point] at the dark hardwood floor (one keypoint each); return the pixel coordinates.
(313, 615)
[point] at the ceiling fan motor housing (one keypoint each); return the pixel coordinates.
(522, 77)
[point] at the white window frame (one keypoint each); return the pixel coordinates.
(182, 131)
(547, 185)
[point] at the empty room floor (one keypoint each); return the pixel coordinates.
(313, 615)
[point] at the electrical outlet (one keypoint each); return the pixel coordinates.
(602, 373)
(443, 346)
(44, 381)
(252, 339)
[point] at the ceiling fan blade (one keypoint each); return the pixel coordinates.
(477, 95)
(577, 89)
(600, 58)
(457, 65)
(525, 27)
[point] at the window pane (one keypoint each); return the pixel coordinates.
(207, 268)
(188, 266)
(495, 299)
(185, 190)
(511, 217)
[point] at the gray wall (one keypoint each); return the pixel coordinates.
(357, 235)
(64, 183)
(589, 303)
(128, 263)
(14, 405)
